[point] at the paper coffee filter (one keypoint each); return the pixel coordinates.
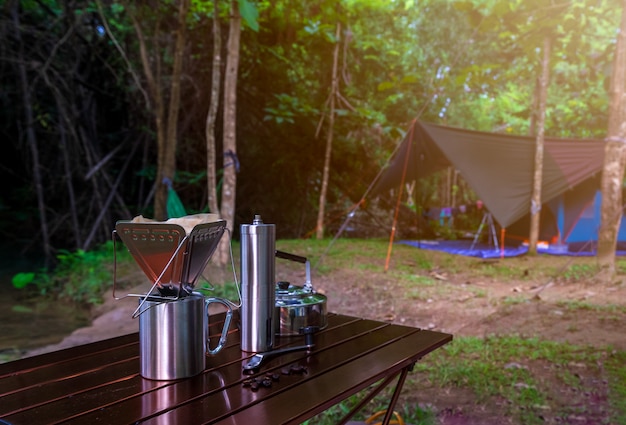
(187, 222)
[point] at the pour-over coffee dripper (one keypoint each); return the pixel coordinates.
(173, 253)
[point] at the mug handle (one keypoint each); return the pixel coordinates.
(229, 314)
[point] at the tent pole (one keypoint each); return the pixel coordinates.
(395, 215)
(362, 201)
(502, 232)
(343, 226)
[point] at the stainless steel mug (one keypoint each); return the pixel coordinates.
(174, 335)
(258, 247)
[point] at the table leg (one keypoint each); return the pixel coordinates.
(396, 394)
(384, 384)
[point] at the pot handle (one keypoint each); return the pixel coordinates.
(229, 314)
(297, 258)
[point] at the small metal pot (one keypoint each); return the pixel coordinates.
(298, 307)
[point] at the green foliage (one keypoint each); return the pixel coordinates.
(40, 280)
(10, 355)
(469, 63)
(79, 276)
(226, 290)
(20, 280)
(500, 82)
(83, 276)
(21, 309)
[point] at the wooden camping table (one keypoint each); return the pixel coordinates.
(100, 382)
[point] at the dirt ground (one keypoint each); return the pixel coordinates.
(481, 308)
(468, 306)
(464, 304)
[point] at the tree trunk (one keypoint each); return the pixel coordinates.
(329, 138)
(614, 160)
(31, 138)
(534, 108)
(535, 203)
(160, 197)
(166, 131)
(168, 167)
(229, 185)
(216, 77)
(68, 172)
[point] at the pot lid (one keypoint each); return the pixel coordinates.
(292, 295)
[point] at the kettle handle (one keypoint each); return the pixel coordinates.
(229, 314)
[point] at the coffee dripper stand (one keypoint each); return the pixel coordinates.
(173, 260)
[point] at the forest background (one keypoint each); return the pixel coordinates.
(298, 104)
(92, 91)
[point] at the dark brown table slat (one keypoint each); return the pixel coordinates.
(304, 401)
(119, 388)
(100, 382)
(104, 390)
(37, 384)
(67, 354)
(62, 370)
(32, 396)
(318, 363)
(82, 359)
(230, 375)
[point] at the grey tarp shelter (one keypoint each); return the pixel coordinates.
(499, 167)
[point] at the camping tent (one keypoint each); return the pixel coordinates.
(581, 233)
(500, 169)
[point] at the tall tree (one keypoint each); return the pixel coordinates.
(329, 134)
(216, 78)
(614, 159)
(535, 202)
(31, 138)
(231, 162)
(153, 63)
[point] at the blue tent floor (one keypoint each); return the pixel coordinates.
(482, 250)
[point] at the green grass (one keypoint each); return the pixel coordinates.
(514, 300)
(578, 272)
(84, 276)
(616, 370)
(522, 371)
(346, 253)
(479, 292)
(620, 265)
(518, 373)
(500, 271)
(583, 305)
(416, 280)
